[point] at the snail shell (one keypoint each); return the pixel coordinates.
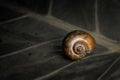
(77, 44)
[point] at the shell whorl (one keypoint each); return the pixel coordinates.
(77, 44)
(78, 47)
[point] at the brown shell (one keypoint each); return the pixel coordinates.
(76, 38)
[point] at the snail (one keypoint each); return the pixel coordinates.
(77, 44)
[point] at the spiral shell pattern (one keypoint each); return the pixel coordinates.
(77, 44)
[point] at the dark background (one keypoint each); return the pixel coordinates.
(32, 31)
